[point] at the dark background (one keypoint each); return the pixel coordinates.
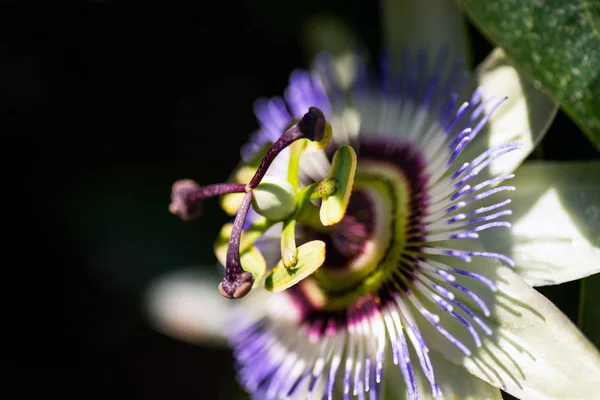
(102, 106)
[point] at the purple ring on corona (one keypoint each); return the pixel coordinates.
(396, 269)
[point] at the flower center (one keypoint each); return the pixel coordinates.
(370, 247)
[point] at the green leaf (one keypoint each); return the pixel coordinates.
(557, 42)
(589, 309)
(343, 167)
(311, 256)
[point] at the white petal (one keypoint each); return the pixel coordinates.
(457, 383)
(555, 236)
(187, 306)
(534, 352)
(524, 117)
(426, 24)
(454, 382)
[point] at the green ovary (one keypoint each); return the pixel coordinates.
(389, 194)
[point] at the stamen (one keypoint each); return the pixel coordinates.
(237, 282)
(325, 188)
